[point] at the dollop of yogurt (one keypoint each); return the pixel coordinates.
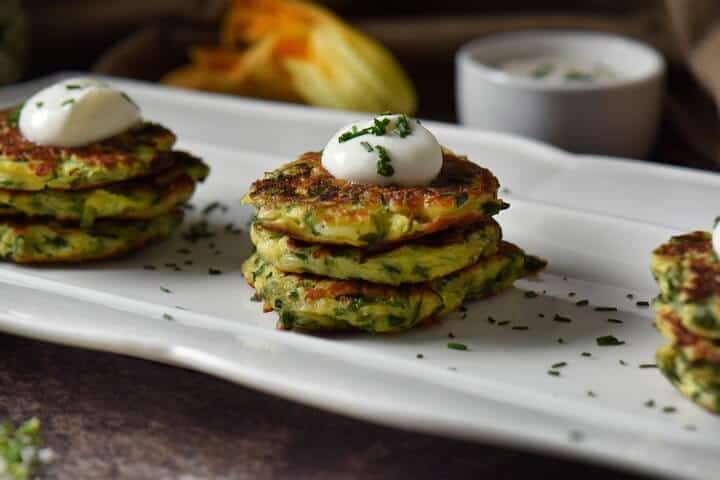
(390, 149)
(716, 238)
(76, 112)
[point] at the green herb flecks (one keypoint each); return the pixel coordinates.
(622, 362)
(367, 146)
(608, 341)
(669, 409)
(582, 303)
(39, 104)
(647, 365)
(614, 320)
(21, 451)
(520, 327)
(586, 354)
(167, 316)
(457, 346)
(558, 365)
(503, 323)
(650, 403)
(561, 319)
(419, 355)
(605, 309)
(378, 128)
(14, 116)
(383, 164)
(67, 102)
(591, 394)
(578, 76)
(542, 71)
(73, 86)
(553, 373)
(642, 304)
(165, 290)
(214, 271)
(402, 127)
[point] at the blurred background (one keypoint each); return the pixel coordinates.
(149, 39)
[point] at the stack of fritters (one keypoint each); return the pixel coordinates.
(332, 255)
(688, 314)
(91, 202)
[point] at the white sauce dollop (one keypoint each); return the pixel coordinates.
(716, 239)
(412, 155)
(77, 112)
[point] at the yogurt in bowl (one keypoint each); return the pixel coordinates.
(582, 91)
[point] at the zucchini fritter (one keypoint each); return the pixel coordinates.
(698, 380)
(140, 151)
(421, 260)
(136, 199)
(308, 302)
(25, 241)
(688, 273)
(304, 201)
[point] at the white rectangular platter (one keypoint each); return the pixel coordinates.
(595, 219)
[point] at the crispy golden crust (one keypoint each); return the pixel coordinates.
(31, 242)
(140, 151)
(303, 200)
(687, 268)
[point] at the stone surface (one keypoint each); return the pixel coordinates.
(110, 416)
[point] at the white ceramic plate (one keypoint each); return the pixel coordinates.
(595, 219)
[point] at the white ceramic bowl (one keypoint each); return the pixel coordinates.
(617, 116)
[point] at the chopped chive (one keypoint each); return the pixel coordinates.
(491, 320)
(39, 104)
(630, 296)
(419, 355)
(73, 87)
(590, 393)
(166, 290)
(402, 126)
(451, 335)
(650, 403)
(622, 362)
(541, 315)
(214, 271)
(520, 327)
(582, 303)
(558, 365)
(167, 316)
(367, 146)
(530, 294)
(504, 322)
(614, 320)
(383, 164)
(457, 346)
(669, 409)
(571, 294)
(586, 354)
(561, 319)
(605, 309)
(647, 365)
(554, 373)
(69, 101)
(149, 267)
(642, 304)
(608, 341)
(560, 340)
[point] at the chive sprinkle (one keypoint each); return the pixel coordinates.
(367, 146)
(504, 322)
(582, 303)
(647, 365)
(642, 304)
(403, 126)
(560, 340)
(419, 355)
(457, 346)
(590, 393)
(561, 319)
(383, 164)
(571, 294)
(650, 403)
(554, 373)
(530, 294)
(491, 320)
(541, 315)
(69, 101)
(586, 354)
(558, 365)
(149, 267)
(214, 271)
(669, 409)
(73, 87)
(605, 309)
(608, 341)
(167, 316)
(520, 327)
(622, 362)
(614, 320)
(451, 335)
(166, 290)
(39, 104)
